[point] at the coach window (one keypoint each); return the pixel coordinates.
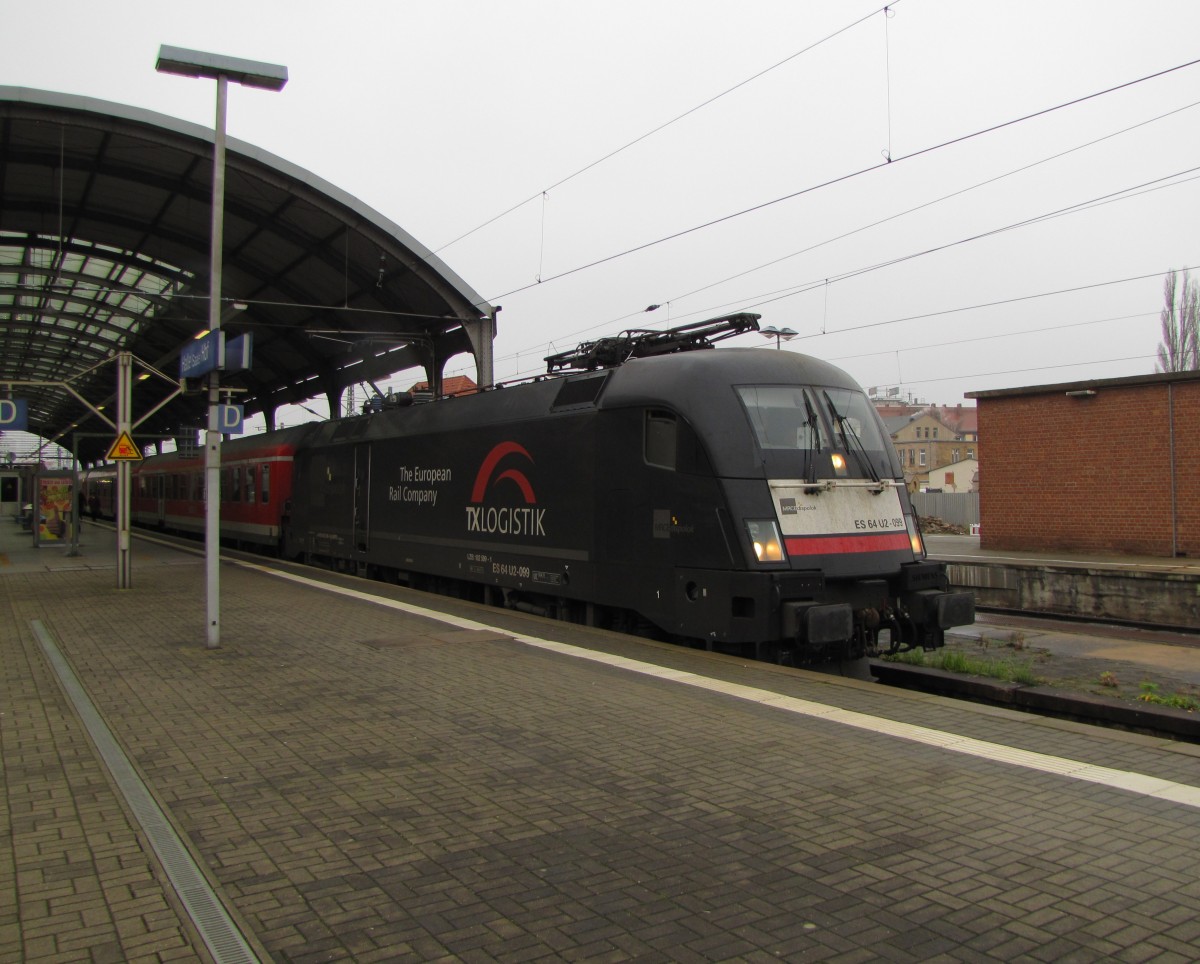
(251, 489)
(660, 438)
(265, 480)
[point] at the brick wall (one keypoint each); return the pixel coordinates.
(1093, 473)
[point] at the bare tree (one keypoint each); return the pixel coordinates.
(1179, 350)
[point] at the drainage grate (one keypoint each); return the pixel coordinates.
(220, 935)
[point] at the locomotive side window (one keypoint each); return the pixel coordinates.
(660, 439)
(265, 480)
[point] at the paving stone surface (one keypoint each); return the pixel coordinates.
(364, 783)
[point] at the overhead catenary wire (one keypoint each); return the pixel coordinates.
(923, 316)
(663, 126)
(927, 204)
(977, 306)
(764, 298)
(1122, 195)
(1024, 371)
(842, 178)
(806, 286)
(1045, 329)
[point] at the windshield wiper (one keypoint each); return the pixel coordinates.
(849, 435)
(814, 429)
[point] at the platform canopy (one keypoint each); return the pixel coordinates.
(105, 226)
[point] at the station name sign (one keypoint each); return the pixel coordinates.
(214, 352)
(202, 356)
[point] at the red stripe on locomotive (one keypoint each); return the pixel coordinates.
(815, 545)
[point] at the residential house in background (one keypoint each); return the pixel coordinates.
(930, 438)
(958, 477)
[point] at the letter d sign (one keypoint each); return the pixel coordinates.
(229, 419)
(14, 414)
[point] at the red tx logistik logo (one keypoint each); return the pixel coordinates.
(504, 520)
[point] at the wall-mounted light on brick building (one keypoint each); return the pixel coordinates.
(1083, 393)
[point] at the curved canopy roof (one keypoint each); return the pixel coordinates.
(105, 227)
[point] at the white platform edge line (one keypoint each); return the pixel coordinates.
(1128, 780)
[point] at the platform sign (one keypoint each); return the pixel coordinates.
(203, 355)
(238, 352)
(14, 414)
(231, 419)
(124, 450)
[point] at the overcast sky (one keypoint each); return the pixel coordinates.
(921, 273)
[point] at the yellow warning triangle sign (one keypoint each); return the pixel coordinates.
(123, 450)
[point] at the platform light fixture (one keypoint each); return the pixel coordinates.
(200, 63)
(248, 73)
(779, 334)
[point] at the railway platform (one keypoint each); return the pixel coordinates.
(1137, 590)
(362, 773)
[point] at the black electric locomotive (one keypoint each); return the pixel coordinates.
(748, 499)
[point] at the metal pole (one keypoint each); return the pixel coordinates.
(1174, 503)
(124, 420)
(212, 439)
(76, 492)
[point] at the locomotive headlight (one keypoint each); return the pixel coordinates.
(839, 463)
(914, 536)
(764, 537)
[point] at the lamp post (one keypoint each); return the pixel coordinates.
(248, 73)
(785, 334)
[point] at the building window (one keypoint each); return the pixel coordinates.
(922, 458)
(970, 453)
(954, 455)
(935, 433)
(911, 456)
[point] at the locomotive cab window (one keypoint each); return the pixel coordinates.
(784, 417)
(832, 423)
(661, 440)
(856, 429)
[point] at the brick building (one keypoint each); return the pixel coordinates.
(1111, 465)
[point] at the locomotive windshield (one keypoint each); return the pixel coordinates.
(816, 420)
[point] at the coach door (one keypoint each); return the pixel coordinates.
(160, 499)
(362, 497)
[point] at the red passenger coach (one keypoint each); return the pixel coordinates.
(99, 487)
(256, 489)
